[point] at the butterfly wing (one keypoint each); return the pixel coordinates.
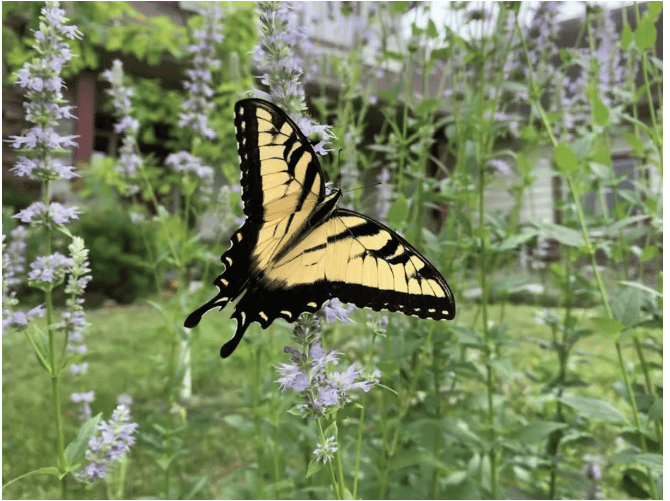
(361, 261)
(282, 184)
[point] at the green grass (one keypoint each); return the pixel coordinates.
(127, 355)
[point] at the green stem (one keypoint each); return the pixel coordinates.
(334, 482)
(359, 444)
(54, 369)
(437, 435)
(650, 386)
(658, 140)
(489, 371)
(255, 388)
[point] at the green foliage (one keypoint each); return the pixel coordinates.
(118, 255)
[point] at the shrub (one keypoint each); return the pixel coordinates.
(118, 255)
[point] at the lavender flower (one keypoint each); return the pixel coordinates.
(38, 213)
(379, 325)
(20, 320)
(111, 444)
(13, 262)
(129, 159)
(335, 311)
(191, 165)
(326, 450)
(48, 271)
(281, 67)
(85, 400)
(199, 104)
(499, 165)
(308, 372)
(41, 80)
(124, 399)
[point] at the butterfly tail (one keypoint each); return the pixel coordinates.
(243, 322)
(220, 301)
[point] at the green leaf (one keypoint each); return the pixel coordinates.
(603, 172)
(652, 461)
(431, 31)
(653, 10)
(440, 53)
(634, 142)
(399, 211)
(565, 158)
(626, 36)
(314, 467)
(192, 488)
(593, 408)
(428, 106)
(40, 343)
(642, 288)
(331, 431)
(537, 432)
(656, 410)
(398, 7)
(240, 423)
(645, 34)
(514, 241)
(608, 325)
(601, 112)
(565, 235)
(650, 251)
(75, 449)
(626, 306)
(49, 470)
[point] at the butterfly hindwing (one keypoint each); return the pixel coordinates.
(296, 250)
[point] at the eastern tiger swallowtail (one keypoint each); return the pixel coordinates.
(297, 250)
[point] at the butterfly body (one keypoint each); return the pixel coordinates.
(297, 249)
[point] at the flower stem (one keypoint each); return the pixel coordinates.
(359, 443)
(55, 371)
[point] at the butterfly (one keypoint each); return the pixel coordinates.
(297, 249)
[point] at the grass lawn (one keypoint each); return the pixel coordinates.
(126, 354)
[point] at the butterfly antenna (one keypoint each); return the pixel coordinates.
(362, 187)
(339, 168)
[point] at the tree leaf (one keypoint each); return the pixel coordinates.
(593, 408)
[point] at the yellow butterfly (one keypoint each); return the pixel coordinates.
(297, 250)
